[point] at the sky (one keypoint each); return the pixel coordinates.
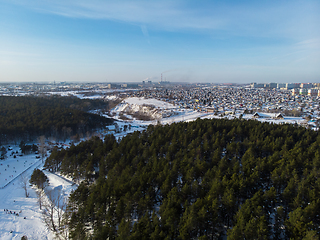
(184, 40)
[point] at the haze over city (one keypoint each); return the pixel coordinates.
(132, 41)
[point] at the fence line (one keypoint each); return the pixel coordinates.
(62, 177)
(21, 174)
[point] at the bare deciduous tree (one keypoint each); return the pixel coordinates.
(24, 183)
(40, 195)
(48, 211)
(42, 146)
(60, 207)
(54, 208)
(69, 131)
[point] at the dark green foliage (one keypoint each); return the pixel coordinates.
(198, 180)
(27, 148)
(39, 179)
(3, 152)
(28, 117)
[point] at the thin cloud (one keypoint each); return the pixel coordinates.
(256, 19)
(145, 33)
(12, 53)
(309, 44)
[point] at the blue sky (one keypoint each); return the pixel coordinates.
(131, 41)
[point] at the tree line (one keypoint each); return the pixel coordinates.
(28, 117)
(205, 179)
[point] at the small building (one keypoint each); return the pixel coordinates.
(270, 85)
(303, 91)
(292, 85)
(210, 110)
(257, 85)
(312, 92)
(295, 91)
(306, 85)
(268, 115)
(281, 85)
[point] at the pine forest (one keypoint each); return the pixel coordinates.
(25, 118)
(205, 179)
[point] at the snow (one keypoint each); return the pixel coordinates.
(11, 168)
(285, 120)
(60, 185)
(166, 113)
(14, 227)
(170, 113)
(145, 101)
(90, 97)
(177, 114)
(111, 97)
(82, 94)
(64, 94)
(13, 198)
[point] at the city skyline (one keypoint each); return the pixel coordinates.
(132, 41)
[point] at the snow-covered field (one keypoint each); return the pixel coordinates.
(24, 216)
(11, 168)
